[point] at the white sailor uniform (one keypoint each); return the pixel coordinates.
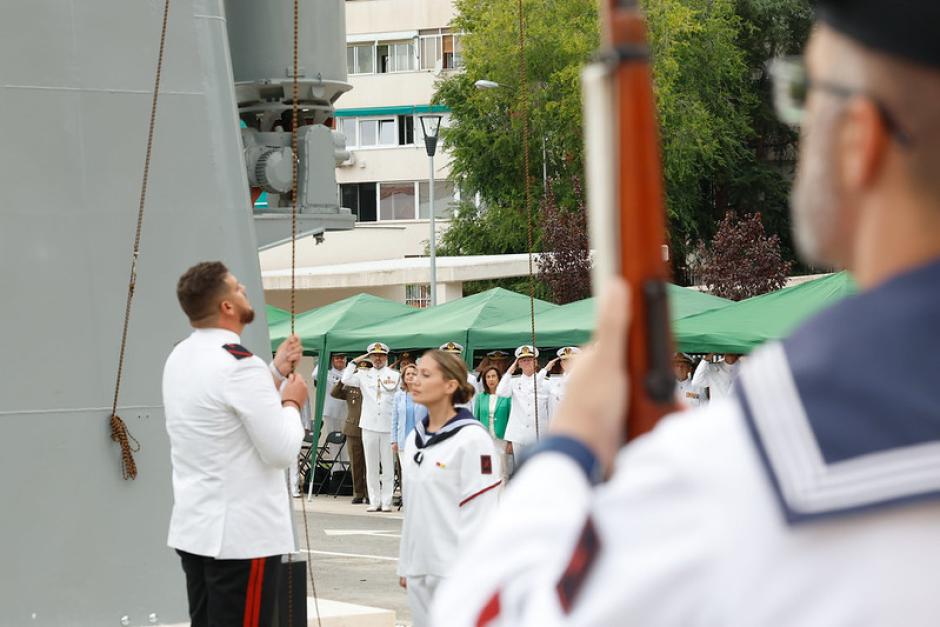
(717, 377)
(378, 387)
(230, 442)
(810, 498)
(690, 395)
(453, 478)
(521, 430)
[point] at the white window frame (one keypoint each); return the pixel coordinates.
(378, 120)
(378, 197)
(423, 299)
(392, 56)
(357, 46)
(438, 64)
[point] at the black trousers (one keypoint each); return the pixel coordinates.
(230, 593)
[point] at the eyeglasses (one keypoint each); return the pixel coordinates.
(792, 85)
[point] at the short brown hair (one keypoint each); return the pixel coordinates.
(453, 368)
(200, 288)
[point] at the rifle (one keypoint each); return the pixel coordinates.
(626, 211)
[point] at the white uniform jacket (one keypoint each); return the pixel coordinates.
(230, 441)
(378, 387)
(334, 407)
(690, 395)
(717, 377)
(810, 498)
(554, 388)
(450, 493)
(521, 425)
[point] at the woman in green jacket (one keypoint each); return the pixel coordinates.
(493, 412)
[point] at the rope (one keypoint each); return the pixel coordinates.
(295, 122)
(119, 431)
(524, 114)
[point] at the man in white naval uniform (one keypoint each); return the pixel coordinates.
(521, 430)
(811, 497)
(717, 374)
(378, 386)
(231, 438)
(555, 385)
(687, 393)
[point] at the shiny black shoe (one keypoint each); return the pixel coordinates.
(358, 500)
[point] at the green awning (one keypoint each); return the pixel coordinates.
(742, 326)
(429, 328)
(363, 112)
(573, 324)
(275, 315)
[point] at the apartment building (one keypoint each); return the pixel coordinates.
(395, 52)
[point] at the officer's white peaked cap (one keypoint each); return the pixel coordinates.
(451, 347)
(568, 352)
(526, 351)
(378, 348)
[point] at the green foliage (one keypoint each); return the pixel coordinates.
(722, 147)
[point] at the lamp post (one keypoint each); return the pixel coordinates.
(484, 84)
(431, 126)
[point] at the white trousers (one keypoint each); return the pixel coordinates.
(294, 478)
(420, 594)
(377, 446)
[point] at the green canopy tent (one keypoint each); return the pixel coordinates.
(742, 326)
(313, 327)
(573, 324)
(434, 326)
(275, 315)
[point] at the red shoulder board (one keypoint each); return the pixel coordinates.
(237, 350)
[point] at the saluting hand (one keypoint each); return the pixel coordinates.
(593, 407)
(360, 358)
(288, 354)
(512, 368)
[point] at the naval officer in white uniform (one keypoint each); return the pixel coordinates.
(717, 373)
(521, 430)
(231, 438)
(555, 384)
(378, 386)
(811, 497)
(687, 393)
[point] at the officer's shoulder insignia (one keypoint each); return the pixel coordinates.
(486, 465)
(237, 350)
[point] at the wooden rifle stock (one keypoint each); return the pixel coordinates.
(635, 218)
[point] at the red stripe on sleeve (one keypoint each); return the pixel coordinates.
(490, 611)
(483, 491)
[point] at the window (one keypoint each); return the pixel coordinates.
(444, 199)
(359, 59)
(360, 199)
(368, 132)
(349, 127)
(395, 57)
(418, 295)
(440, 50)
(387, 132)
(406, 130)
(397, 201)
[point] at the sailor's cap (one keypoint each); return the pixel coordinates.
(497, 354)
(567, 352)
(364, 365)
(452, 347)
(683, 357)
(526, 351)
(378, 348)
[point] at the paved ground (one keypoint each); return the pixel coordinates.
(354, 553)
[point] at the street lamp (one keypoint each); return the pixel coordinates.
(484, 84)
(431, 126)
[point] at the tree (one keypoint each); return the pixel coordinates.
(722, 148)
(741, 260)
(565, 265)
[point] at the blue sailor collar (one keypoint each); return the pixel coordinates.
(846, 412)
(424, 439)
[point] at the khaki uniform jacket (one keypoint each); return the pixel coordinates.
(353, 398)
